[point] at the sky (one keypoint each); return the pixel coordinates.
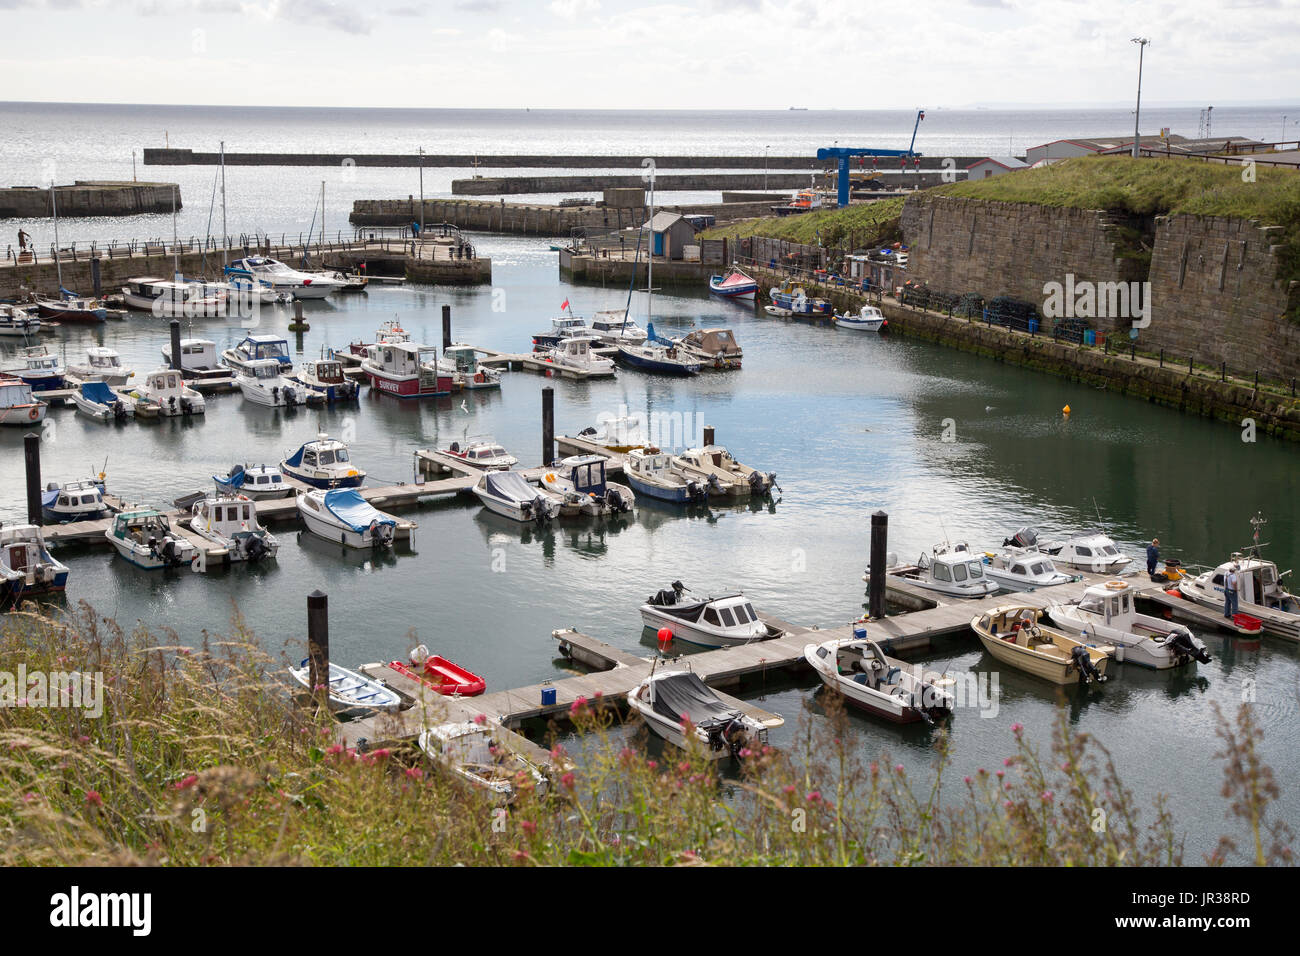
(631, 54)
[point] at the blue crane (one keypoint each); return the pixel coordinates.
(844, 154)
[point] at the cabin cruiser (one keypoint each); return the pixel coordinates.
(17, 322)
(685, 711)
(580, 480)
(1107, 614)
(574, 354)
(343, 515)
(27, 569)
(164, 392)
(42, 369)
(1260, 593)
(281, 278)
(955, 571)
(100, 402)
(1095, 552)
(145, 539)
(230, 522)
(866, 319)
(324, 379)
(794, 300)
(263, 382)
(712, 348)
(406, 370)
(468, 752)
(70, 307)
(722, 621)
(658, 355)
(199, 361)
(657, 474)
(462, 364)
(561, 329)
(509, 494)
(258, 482)
(735, 479)
(101, 365)
(17, 406)
(620, 434)
(73, 501)
(1015, 569)
(613, 326)
(1014, 635)
(348, 690)
(173, 299)
(257, 347)
(323, 463)
(861, 672)
(482, 454)
(390, 333)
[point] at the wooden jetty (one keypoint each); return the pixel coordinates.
(533, 362)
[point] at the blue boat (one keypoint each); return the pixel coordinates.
(657, 355)
(43, 371)
(27, 568)
(794, 299)
(653, 473)
(256, 347)
(323, 463)
(73, 501)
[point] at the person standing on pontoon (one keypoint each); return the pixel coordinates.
(1153, 556)
(1230, 592)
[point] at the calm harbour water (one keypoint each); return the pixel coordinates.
(851, 423)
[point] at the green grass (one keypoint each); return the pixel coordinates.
(862, 226)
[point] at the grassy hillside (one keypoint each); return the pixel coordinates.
(863, 225)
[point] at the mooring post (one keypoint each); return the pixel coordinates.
(32, 455)
(176, 344)
(318, 643)
(446, 327)
(548, 425)
(1162, 358)
(876, 585)
(96, 281)
(709, 432)
(1223, 371)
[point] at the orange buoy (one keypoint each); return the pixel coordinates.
(1066, 411)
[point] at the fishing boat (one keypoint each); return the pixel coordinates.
(509, 494)
(656, 474)
(73, 501)
(281, 278)
(344, 516)
(390, 333)
(255, 348)
(145, 539)
(1013, 635)
(481, 454)
(657, 357)
(468, 752)
(1107, 614)
(866, 319)
(734, 285)
(347, 689)
(561, 329)
(712, 348)
(230, 522)
(200, 364)
(955, 571)
(173, 298)
(861, 672)
(462, 364)
(723, 621)
(17, 406)
(1263, 603)
(439, 674)
(1015, 569)
(70, 307)
(100, 402)
(17, 322)
(685, 711)
(733, 478)
(41, 369)
(620, 434)
(406, 370)
(27, 569)
(259, 482)
(323, 463)
(795, 300)
(322, 380)
(612, 326)
(581, 480)
(574, 354)
(101, 365)
(264, 382)
(164, 392)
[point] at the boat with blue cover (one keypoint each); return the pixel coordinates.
(42, 369)
(258, 482)
(323, 463)
(344, 516)
(73, 501)
(99, 401)
(661, 356)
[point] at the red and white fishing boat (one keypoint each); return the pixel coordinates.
(440, 674)
(406, 370)
(734, 285)
(389, 333)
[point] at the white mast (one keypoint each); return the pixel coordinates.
(322, 214)
(176, 253)
(223, 204)
(57, 264)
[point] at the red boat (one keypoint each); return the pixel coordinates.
(442, 675)
(388, 333)
(406, 370)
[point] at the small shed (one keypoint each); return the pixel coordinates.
(670, 234)
(993, 166)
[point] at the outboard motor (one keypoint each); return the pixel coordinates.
(586, 431)
(757, 483)
(1087, 669)
(119, 410)
(171, 403)
(384, 534)
(275, 394)
(170, 553)
(1183, 647)
(737, 738)
(255, 549)
(713, 485)
(290, 397)
(540, 511)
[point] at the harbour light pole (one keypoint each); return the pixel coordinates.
(1137, 112)
(766, 148)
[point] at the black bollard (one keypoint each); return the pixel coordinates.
(176, 345)
(318, 642)
(446, 327)
(32, 454)
(876, 586)
(548, 425)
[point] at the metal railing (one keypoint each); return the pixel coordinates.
(244, 243)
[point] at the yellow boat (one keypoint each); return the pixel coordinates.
(1012, 633)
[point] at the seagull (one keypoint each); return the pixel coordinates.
(463, 407)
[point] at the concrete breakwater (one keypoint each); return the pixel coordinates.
(88, 198)
(522, 185)
(189, 157)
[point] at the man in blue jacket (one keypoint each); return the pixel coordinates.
(1153, 555)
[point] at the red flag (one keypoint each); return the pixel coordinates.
(564, 305)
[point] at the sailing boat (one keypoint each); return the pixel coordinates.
(68, 307)
(243, 296)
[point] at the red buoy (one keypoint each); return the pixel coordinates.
(665, 635)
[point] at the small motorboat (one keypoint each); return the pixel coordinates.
(723, 621)
(199, 362)
(955, 570)
(264, 382)
(164, 392)
(348, 690)
(468, 752)
(349, 281)
(342, 515)
(100, 402)
(259, 482)
(145, 539)
(583, 477)
(793, 300)
(657, 474)
(685, 711)
(17, 322)
(1107, 614)
(1263, 603)
(1015, 569)
(255, 348)
(280, 277)
(658, 356)
(867, 319)
(101, 365)
(440, 674)
(42, 369)
(1013, 635)
(509, 494)
(323, 463)
(712, 348)
(1093, 552)
(613, 326)
(734, 285)
(574, 355)
(390, 333)
(173, 298)
(73, 501)
(17, 406)
(620, 434)
(733, 478)
(482, 454)
(561, 329)
(462, 364)
(406, 370)
(323, 380)
(27, 569)
(230, 521)
(861, 672)
(70, 307)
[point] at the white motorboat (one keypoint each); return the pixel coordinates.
(1260, 595)
(658, 474)
(866, 319)
(561, 329)
(230, 522)
(469, 752)
(620, 434)
(17, 406)
(685, 711)
(723, 621)
(342, 515)
(173, 298)
(509, 494)
(1015, 569)
(254, 348)
(1107, 614)
(583, 478)
(481, 454)
(462, 364)
(712, 348)
(613, 326)
(861, 672)
(41, 369)
(259, 482)
(17, 322)
(1093, 552)
(145, 539)
(280, 277)
(73, 501)
(348, 690)
(262, 382)
(27, 569)
(199, 361)
(955, 570)
(101, 365)
(733, 478)
(164, 392)
(574, 354)
(323, 380)
(100, 402)
(323, 463)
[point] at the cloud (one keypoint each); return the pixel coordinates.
(479, 6)
(572, 9)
